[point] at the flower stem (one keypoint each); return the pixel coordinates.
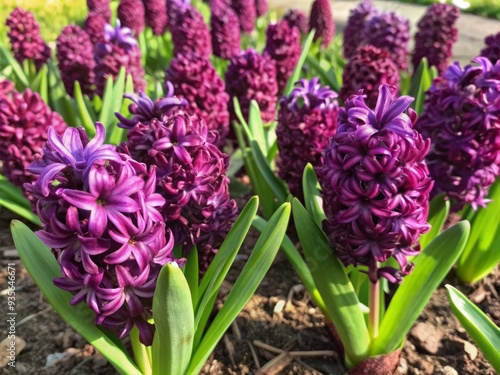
(374, 301)
(141, 355)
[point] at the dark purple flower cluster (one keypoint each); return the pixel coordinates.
(297, 18)
(492, 49)
(25, 38)
(156, 15)
(354, 30)
(189, 31)
(6, 88)
(436, 35)
(261, 7)
(307, 119)
(225, 30)
(132, 14)
(190, 172)
(75, 57)
(246, 12)
(376, 186)
(251, 76)
(101, 7)
(283, 46)
(119, 49)
(321, 19)
(195, 79)
(366, 70)
(94, 26)
(100, 215)
(390, 31)
(24, 122)
(462, 120)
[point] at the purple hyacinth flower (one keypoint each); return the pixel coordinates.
(225, 30)
(261, 7)
(376, 185)
(6, 88)
(307, 119)
(100, 215)
(354, 30)
(101, 7)
(321, 20)
(492, 49)
(297, 18)
(436, 35)
(94, 26)
(246, 12)
(132, 14)
(156, 15)
(461, 117)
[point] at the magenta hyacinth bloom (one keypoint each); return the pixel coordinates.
(354, 30)
(101, 7)
(156, 15)
(283, 46)
(252, 76)
(118, 49)
(366, 70)
(75, 59)
(195, 79)
(261, 7)
(307, 119)
(321, 19)
(100, 215)
(297, 18)
(25, 38)
(436, 35)
(376, 185)
(461, 118)
(492, 49)
(390, 31)
(189, 31)
(94, 26)
(24, 122)
(246, 12)
(132, 14)
(6, 88)
(191, 172)
(225, 30)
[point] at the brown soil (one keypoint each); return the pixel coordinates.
(280, 314)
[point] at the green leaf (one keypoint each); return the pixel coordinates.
(108, 99)
(140, 352)
(58, 97)
(420, 83)
(191, 272)
(174, 322)
(251, 276)
(483, 331)
(438, 213)
(83, 111)
(337, 292)
(312, 196)
(298, 68)
(257, 127)
(43, 268)
(431, 267)
(39, 84)
(22, 211)
(21, 79)
(328, 78)
(13, 193)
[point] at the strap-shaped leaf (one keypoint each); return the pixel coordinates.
(141, 355)
(438, 213)
(431, 267)
(337, 292)
(191, 272)
(108, 99)
(298, 68)
(483, 331)
(18, 209)
(174, 321)
(245, 286)
(43, 268)
(58, 97)
(420, 83)
(21, 79)
(257, 126)
(312, 196)
(83, 111)
(328, 78)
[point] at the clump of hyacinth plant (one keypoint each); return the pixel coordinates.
(375, 189)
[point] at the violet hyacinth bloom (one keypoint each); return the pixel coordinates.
(100, 215)
(6, 88)
(118, 49)
(225, 30)
(354, 30)
(195, 79)
(367, 69)
(283, 46)
(101, 7)
(436, 35)
(297, 18)
(156, 15)
(190, 172)
(307, 119)
(24, 122)
(321, 19)
(246, 12)
(25, 38)
(375, 185)
(261, 7)
(461, 118)
(75, 59)
(252, 76)
(492, 49)
(94, 26)
(132, 14)
(189, 31)
(390, 31)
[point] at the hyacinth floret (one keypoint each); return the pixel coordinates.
(25, 38)
(132, 14)
(225, 30)
(297, 18)
(246, 12)
(390, 31)
(436, 35)
(6, 88)
(492, 49)
(307, 119)
(100, 215)
(321, 20)
(376, 186)
(354, 29)
(156, 15)
(75, 59)
(461, 117)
